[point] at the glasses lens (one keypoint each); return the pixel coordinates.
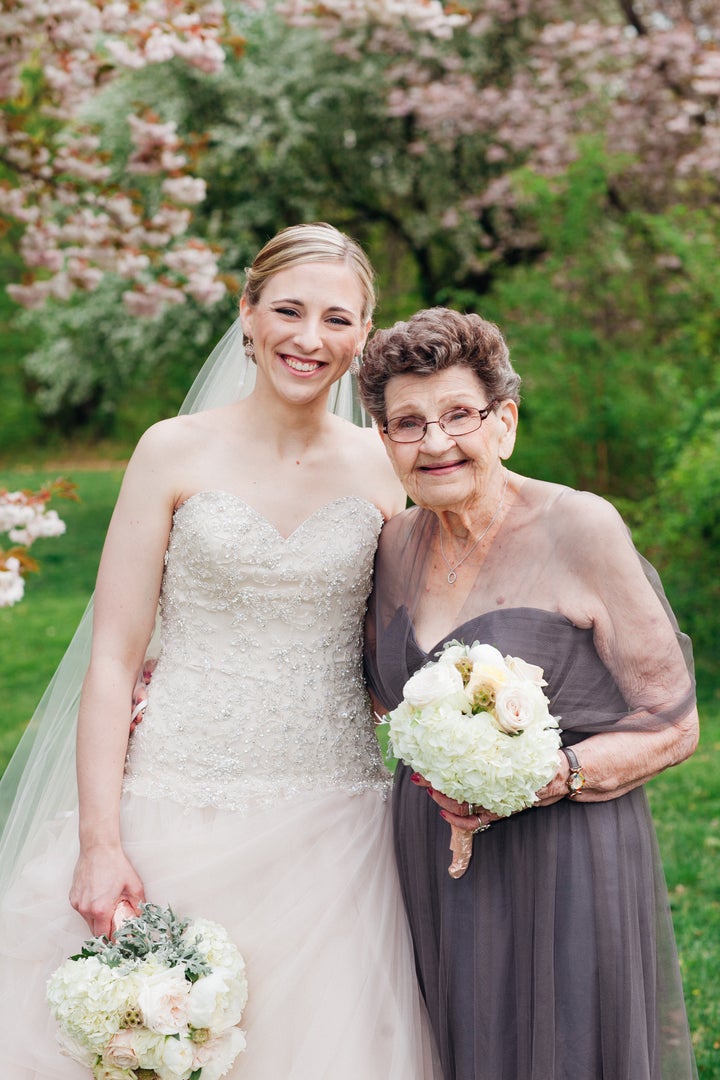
(461, 421)
(406, 429)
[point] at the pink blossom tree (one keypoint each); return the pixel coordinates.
(80, 216)
(481, 87)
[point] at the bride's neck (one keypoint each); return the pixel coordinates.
(285, 429)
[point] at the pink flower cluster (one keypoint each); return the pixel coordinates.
(25, 518)
(425, 16)
(653, 89)
(78, 224)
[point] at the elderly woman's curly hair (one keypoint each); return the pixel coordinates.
(434, 340)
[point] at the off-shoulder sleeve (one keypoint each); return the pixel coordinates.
(634, 629)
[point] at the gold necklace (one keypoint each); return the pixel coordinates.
(452, 575)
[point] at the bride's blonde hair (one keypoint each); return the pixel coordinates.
(315, 242)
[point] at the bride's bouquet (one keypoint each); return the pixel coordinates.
(161, 1000)
(477, 726)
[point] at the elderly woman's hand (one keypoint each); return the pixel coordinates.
(466, 816)
(471, 816)
(557, 789)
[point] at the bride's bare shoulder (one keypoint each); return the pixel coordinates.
(364, 458)
(179, 431)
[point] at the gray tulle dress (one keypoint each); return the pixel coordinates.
(553, 958)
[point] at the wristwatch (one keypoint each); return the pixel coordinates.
(576, 779)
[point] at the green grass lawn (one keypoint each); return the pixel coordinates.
(685, 801)
(36, 631)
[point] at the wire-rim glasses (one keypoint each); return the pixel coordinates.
(461, 420)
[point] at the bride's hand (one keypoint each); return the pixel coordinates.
(463, 815)
(102, 879)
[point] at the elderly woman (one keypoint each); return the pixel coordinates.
(553, 957)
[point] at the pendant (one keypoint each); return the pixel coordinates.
(452, 577)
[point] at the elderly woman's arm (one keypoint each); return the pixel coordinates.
(634, 634)
(613, 763)
(616, 762)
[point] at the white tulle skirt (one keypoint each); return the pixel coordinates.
(307, 890)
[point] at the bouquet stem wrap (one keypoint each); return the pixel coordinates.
(461, 845)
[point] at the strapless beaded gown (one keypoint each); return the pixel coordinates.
(255, 796)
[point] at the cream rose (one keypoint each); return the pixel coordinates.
(120, 1051)
(514, 708)
(163, 1002)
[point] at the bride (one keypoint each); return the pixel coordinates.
(252, 793)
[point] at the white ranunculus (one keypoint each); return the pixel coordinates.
(489, 673)
(432, 683)
(453, 653)
(487, 656)
(514, 708)
(163, 1002)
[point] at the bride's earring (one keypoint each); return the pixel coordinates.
(250, 349)
(355, 364)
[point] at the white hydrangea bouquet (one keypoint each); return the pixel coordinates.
(476, 725)
(161, 1000)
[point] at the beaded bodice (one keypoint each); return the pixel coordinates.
(258, 692)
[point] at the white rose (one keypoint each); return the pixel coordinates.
(163, 1002)
(522, 670)
(515, 708)
(216, 1057)
(432, 683)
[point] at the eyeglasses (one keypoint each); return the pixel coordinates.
(459, 421)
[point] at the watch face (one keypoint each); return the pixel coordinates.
(576, 781)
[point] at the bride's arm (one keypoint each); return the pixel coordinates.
(125, 604)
